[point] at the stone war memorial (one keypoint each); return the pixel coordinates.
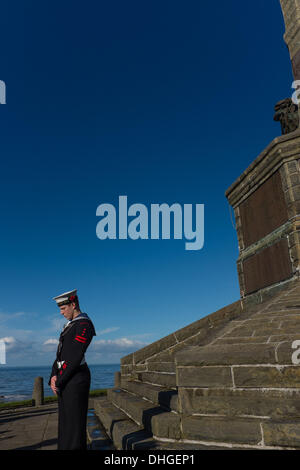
(231, 380)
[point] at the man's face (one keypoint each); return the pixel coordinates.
(67, 311)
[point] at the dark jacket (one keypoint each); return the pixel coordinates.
(73, 342)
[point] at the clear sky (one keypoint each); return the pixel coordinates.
(161, 101)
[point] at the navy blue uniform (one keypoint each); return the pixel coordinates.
(73, 382)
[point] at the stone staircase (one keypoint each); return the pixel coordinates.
(230, 380)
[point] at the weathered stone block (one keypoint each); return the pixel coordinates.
(280, 317)
(264, 403)
(295, 179)
(164, 356)
(126, 370)
(161, 367)
(282, 434)
(168, 399)
(284, 337)
(291, 322)
(241, 331)
(198, 339)
(288, 196)
(126, 433)
(166, 425)
(288, 329)
(228, 354)
(295, 266)
(264, 376)
(292, 295)
(125, 381)
(154, 348)
(169, 355)
(261, 322)
(221, 429)
(293, 208)
(294, 253)
(141, 389)
(238, 340)
(127, 359)
(168, 380)
(292, 167)
(269, 292)
(225, 330)
(108, 414)
(192, 329)
(226, 313)
(259, 332)
(294, 238)
(282, 304)
(279, 313)
(133, 406)
(296, 192)
(140, 367)
(204, 377)
(286, 354)
(157, 394)
(214, 319)
(250, 300)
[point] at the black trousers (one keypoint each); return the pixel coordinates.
(72, 411)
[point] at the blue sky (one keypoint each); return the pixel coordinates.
(161, 101)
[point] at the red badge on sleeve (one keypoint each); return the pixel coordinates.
(80, 339)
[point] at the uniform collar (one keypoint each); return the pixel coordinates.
(79, 317)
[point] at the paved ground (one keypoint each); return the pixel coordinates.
(36, 429)
(29, 428)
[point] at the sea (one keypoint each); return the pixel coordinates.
(16, 383)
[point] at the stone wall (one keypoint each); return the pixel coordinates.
(159, 356)
(229, 380)
(266, 203)
(244, 387)
(291, 15)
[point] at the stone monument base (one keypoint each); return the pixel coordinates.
(229, 380)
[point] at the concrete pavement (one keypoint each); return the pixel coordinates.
(32, 428)
(35, 428)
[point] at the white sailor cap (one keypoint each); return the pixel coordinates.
(66, 297)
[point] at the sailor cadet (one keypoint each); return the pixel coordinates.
(70, 376)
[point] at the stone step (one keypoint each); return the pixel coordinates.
(153, 418)
(124, 432)
(282, 433)
(199, 432)
(108, 414)
(167, 399)
(127, 435)
(275, 404)
(242, 431)
(292, 303)
(248, 376)
(222, 429)
(154, 365)
(158, 378)
(273, 313)
(237, 354)
(161, 367)
(134, 407)
(96, 435)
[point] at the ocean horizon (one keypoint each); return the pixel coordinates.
(16, 382)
